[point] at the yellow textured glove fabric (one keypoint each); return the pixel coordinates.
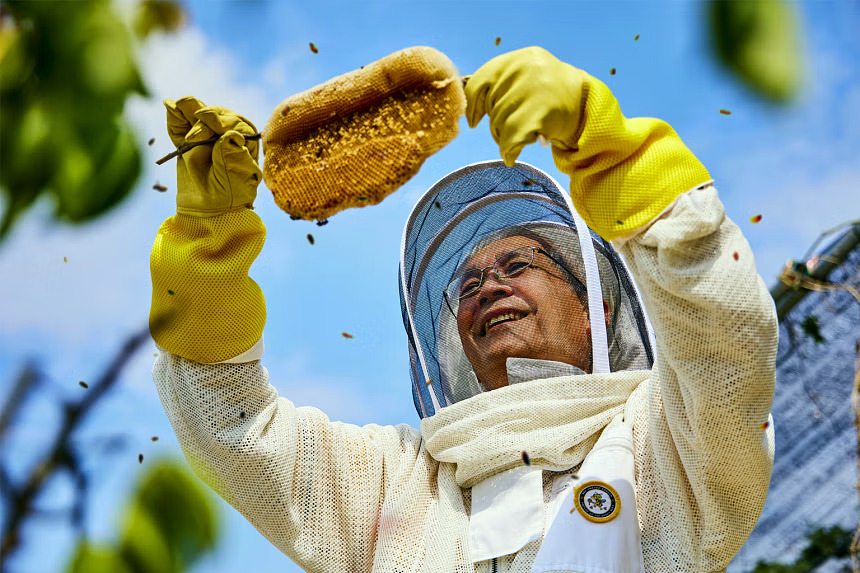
(526, 92)
(213, 178)
(624, 172)
(200, 280)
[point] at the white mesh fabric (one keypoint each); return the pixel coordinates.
(337, 497)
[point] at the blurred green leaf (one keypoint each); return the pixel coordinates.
(145, 547)
(92, 559)
(181, 508)
(68, 69)
(157, 15)
(93, 176)
(170, 522)
(760, 41)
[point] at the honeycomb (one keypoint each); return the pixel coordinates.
(355, 139)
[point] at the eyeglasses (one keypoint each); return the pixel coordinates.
(508, 265)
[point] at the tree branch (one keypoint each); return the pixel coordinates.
(20, 502)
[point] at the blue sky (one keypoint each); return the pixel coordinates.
(798, 166)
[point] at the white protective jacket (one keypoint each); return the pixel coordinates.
(338, 497)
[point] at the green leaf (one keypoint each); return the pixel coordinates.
(95, 176)
(760, 41)
(145, 546)
(92, 559)
(181, 509)
(158, 16)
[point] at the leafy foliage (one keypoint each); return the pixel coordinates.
(824, 544)
(760, 42)
(154, 15)
(170, 522)
(67, 70)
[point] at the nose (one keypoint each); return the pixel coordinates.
(492, 288)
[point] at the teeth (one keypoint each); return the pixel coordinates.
(501, 318)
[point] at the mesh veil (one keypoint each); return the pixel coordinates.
(471, 208)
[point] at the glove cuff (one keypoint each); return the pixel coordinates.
(212, 309)
(624, 172)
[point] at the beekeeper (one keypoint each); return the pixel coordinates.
(558, 432)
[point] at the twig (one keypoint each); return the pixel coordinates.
(187, 146)
(20, 504)
(28, 376)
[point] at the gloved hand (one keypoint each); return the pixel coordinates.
(527, 92)
(214, 178)
(623, 172)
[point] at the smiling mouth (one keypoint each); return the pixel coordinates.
(502, 318)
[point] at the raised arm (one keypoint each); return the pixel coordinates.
(704, 449)
(315, 489)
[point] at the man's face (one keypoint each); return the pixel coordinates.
(544, 318)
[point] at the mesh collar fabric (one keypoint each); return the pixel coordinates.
(471, 207)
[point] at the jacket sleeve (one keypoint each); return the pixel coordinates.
(704, 444)
(314, 488)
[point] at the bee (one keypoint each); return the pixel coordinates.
(170, 292)
(498, 40)
(83, 385)
(362, 198)
(725, 112)
(437, 204)
(140, 458)
(242, 414)
(611, 71)
(346, 335)
(322, 222)
(310, 238)
(735, 255)
(755, 218)
(636, 37)
(65, 259)
(159, 187)
(619, 221)
(153, 439)
(314, 49)
(526, 460)
(151, 141)
(765, 425)
(285, 111)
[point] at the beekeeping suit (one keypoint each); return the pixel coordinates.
(645, 451)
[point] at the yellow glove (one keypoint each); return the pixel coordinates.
(215, 178)
(623, 172)
(205, 307)
(526, 92)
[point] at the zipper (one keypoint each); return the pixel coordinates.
(494, 565)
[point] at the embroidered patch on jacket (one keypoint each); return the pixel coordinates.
(597, 501)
